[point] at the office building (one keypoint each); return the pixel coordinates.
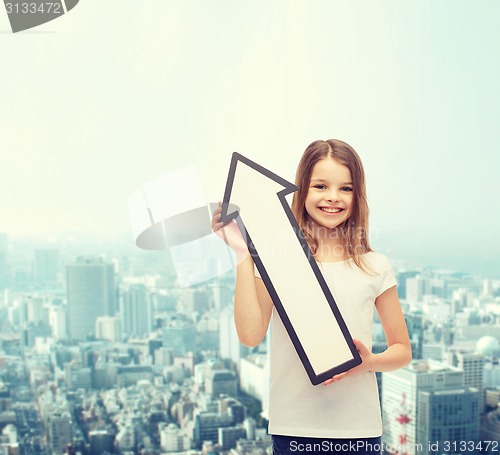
(180, 335)
(136, 309)
(91, 293)
(402, 277)
(108, 328)
(447, 415)
(60, 432)
(415, 288)
(221, 382)
(427, 399)
(472, 364)
(229, 343)
(101, 441)
(228, 437)
(254, 376)
(206, 427)
(172, 438)
(58, 321)
(46, 267)
(77, 377)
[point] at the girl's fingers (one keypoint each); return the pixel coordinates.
(217, 226)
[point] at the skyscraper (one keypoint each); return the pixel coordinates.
(472, 364)
(136, 309)
(402, 277)
(91, 293)
(46, 267)
(426, 402)
(229, 344)
(180, 335)
(415, 288)
(445, 416)
(60, 432)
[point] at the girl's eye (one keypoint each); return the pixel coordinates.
(346, 188)
(320, 187)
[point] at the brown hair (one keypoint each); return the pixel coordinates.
(354, 231)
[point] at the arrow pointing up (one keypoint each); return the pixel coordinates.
(287, 266)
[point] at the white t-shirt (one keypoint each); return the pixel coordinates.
(350, 407)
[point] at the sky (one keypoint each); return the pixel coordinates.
(116, 93)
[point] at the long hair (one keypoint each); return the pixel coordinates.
(354, 231)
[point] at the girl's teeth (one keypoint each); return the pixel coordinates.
(330, 210)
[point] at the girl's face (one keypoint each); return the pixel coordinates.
(329, 199)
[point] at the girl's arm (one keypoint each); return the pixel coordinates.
(398, 353)
(252, 302)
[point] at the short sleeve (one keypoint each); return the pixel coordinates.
(387, 277)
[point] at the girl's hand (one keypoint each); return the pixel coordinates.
(230, 233)
(366, 365)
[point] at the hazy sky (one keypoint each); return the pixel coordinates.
(118, 92)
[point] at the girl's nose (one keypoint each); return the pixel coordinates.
(332, 196)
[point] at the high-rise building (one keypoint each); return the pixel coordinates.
(250, 425)
(36, 310)
(77, 377)
(229, 436)
(58, 320)
(60, 432)
(415, 288)
(233, 407)
(445, 416)
(108, 328)
(171, 438)
(125, 440)
(427, 402)
(402, 277)
(472, 364)
(136, 309)
(229, 344)
(180, 335)
(254, 376)
(415, 325)
(206, 426)
(46, 267)
(91, 293)
(222, 295)
(101, 441)
(221, 382)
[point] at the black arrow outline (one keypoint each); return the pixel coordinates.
(227, 217)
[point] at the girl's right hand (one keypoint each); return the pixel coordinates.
(230, 233)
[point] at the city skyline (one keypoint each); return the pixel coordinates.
(183, 351)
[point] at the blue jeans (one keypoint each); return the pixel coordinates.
(297, 445)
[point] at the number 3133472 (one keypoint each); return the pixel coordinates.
(34, 8)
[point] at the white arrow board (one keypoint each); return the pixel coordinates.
(288, 268)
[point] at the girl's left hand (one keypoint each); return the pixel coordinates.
(366, 365)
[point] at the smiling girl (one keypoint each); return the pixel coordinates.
(332, 211)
